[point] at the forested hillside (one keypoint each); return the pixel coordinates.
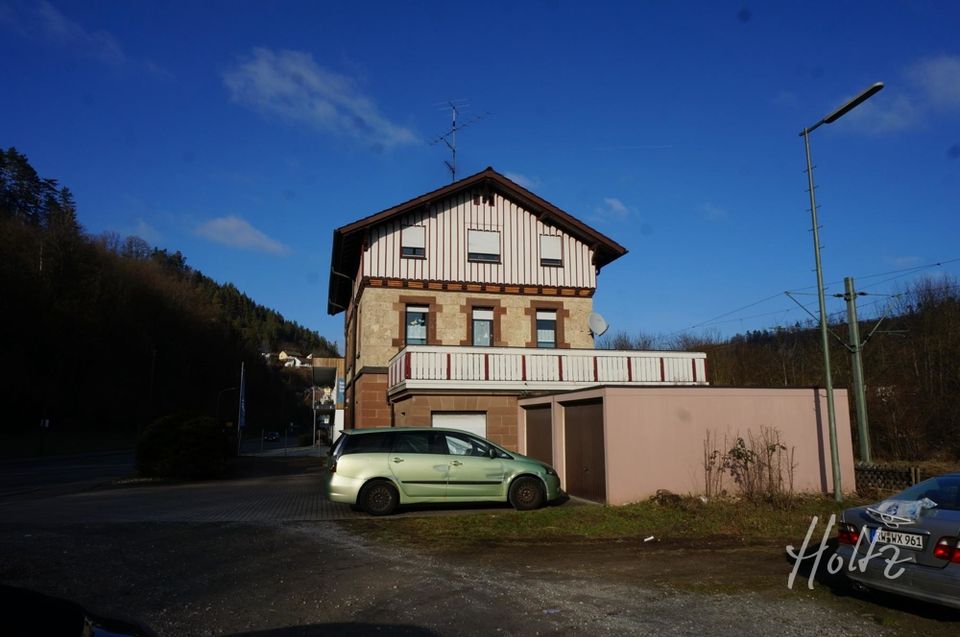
(108, 332)
(911, 367)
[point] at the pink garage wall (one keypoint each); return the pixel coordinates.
(654, 436)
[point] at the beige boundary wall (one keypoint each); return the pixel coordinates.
(654, 437)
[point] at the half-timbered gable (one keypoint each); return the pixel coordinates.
(469, 237)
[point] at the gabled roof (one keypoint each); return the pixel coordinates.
(348, 239)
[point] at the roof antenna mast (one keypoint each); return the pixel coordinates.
(450, 137)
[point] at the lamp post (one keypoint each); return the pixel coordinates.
(824, 337)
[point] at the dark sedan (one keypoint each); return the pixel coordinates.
(908, 545)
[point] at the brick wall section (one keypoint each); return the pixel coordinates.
(415, 411)
(370, 407)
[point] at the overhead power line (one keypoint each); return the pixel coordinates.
(716, 320)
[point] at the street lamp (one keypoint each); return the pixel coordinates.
(825, 342)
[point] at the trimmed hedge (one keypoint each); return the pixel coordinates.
(183, 446)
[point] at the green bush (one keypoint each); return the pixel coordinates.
(183, 446)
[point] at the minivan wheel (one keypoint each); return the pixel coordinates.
(526, 493)
(379, 498)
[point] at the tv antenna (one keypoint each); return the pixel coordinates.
(450, 137)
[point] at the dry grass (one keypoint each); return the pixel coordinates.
(726, 521)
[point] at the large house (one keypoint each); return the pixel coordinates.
(461, 301)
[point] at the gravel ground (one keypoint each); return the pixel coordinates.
(317, 578)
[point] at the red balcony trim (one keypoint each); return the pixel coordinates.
(523, 367)
(560, 366)
(629, 369)
(486, 367)
(448, 366)
(663, 371)
(693, 363)
(596, 375)
(406, 366)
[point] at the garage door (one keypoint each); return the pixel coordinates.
(583, 444)
(539, 434)
(474, 423)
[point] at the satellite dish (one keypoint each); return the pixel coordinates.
(597, 325)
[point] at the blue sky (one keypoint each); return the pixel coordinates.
(243, 133)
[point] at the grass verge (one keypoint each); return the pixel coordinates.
(725, 522)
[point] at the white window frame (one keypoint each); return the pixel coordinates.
(546, 315)
(551, 250)
(478, 315)
(413, 242)
(419, 309)
(483, 246)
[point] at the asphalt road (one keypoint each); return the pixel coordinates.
(43, 477)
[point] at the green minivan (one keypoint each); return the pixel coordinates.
(379, 469)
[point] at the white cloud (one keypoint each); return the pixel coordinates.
(939, 80)
(712, 212)
(42, 20)
(292, 86)
(932, 84)
(891, 116)
(62, 29)
(613, 209)
(146, 232)
(238, 233)
(530, 183)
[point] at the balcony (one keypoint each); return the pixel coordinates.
(430, 367)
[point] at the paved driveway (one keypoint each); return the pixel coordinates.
(279, 489)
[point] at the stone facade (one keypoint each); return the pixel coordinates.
(381, 312)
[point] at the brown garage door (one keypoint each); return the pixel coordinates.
(539, 434)
(585, 464)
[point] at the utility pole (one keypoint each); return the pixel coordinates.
(856, 364)
(313, 400)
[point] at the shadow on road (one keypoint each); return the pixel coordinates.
(266, 466)
(344, 629)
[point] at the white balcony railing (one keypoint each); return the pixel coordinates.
(507, 368)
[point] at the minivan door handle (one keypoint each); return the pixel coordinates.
(398, 459)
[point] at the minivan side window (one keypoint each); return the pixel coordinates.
(463, 445)
(367, 443)
(419, 442)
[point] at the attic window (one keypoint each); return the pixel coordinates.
(486, 198)
(413, 242)
(483, 246)
(551, 252)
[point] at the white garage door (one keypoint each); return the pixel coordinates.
(474, 423)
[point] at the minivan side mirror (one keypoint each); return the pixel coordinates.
(492, 452)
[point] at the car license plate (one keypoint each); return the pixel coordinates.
(898, 538)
